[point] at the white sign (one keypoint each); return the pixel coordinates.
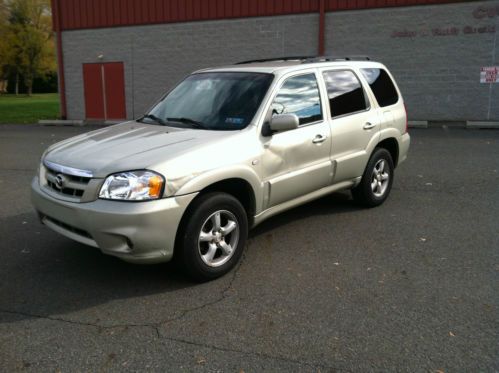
(489, 74)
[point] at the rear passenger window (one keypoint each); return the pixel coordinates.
(299, 95)
(382, 86)
(345, 92)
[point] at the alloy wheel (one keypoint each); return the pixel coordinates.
(380, 178)
(218, 238)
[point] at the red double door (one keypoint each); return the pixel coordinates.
(104, 87)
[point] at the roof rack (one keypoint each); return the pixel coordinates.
(337, 58)
(308, 59)
(291, 58)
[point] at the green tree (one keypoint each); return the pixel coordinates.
(3, 41)
(28, 42)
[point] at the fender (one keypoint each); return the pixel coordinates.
(386, 133)
(213, 176)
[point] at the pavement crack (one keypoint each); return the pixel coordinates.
(75, 322)
(223, 295)
(155, 326)
(254, 353)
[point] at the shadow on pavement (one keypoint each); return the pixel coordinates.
(44, 274)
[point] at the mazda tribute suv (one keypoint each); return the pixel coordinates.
(224, 150)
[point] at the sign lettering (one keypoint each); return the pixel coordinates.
(489, 74)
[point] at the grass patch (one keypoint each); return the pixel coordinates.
(24, 109)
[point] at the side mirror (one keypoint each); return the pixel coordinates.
(284, 122)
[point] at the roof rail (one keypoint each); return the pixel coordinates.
(291, 58)
(338, 58)
(308, 59)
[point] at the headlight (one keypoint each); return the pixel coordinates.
(133, 186)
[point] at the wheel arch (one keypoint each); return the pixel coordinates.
(391, 144)
(239, 188)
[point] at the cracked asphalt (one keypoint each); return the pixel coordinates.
(410, 286)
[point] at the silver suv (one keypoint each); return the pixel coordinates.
(224, 150)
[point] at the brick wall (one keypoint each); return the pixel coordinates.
(438, 75)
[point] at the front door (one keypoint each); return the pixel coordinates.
(297, 162)
(104, 89)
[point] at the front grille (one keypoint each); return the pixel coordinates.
(67, 227)
(73, 186)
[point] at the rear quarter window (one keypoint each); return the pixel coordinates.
(382, 86)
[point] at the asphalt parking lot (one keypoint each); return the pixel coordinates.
(410, 286)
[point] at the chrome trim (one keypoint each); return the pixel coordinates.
(67, 170)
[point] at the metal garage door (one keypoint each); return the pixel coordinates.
(104, 87)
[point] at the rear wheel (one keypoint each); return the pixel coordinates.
(377, 179)
(213, 236)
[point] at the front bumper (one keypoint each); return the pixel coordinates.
(137, 232)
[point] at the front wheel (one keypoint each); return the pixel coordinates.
(213, 236)
(377, 179)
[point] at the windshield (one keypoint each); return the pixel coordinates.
(215, 101)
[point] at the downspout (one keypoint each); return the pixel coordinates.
(56, 14)
(322, 25)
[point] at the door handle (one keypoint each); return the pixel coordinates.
(319, 139)
(369, 125)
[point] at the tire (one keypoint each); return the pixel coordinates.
(369, 194)
(224, 223)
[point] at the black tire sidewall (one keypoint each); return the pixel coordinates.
(200, 210)
(364, 191)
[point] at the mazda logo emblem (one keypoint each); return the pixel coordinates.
(59, 181)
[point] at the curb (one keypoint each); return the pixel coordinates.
(60, 122)
(77, 123)
(417, 124)
(482, 125)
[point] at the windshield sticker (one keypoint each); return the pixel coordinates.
(204, 85)
(238, 121)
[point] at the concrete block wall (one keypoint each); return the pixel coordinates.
(156, 57)
(438, 74)
(435, 62)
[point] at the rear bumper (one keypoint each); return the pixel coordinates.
(138, 232)
(404, 143)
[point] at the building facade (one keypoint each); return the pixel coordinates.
(118, 57)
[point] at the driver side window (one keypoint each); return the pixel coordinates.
(299, 95)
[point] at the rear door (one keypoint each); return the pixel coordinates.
(387, 96)
(353, 119)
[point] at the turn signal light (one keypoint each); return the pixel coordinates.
(155, 185)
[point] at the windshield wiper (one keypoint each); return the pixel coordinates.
(192, 122)
(154, 118)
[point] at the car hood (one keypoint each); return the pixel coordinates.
(128, 146)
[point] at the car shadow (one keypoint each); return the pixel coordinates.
(333, 204)
(43, 273)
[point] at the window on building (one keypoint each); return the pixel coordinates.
(382, 86)
(299, 95)
(346, 95)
